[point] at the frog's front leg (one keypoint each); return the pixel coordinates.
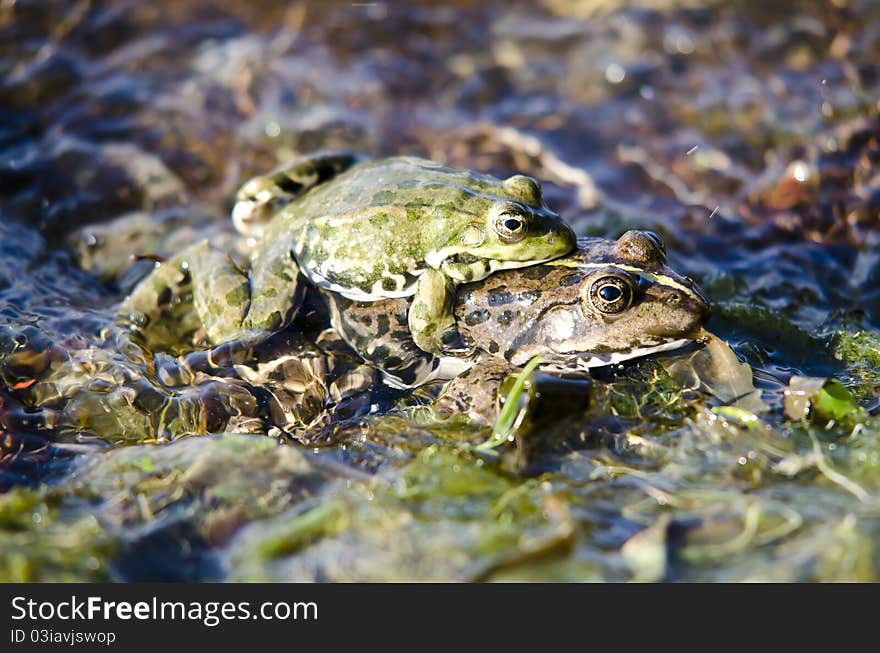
(431, 318)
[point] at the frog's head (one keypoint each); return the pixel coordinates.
(514, 228)
(607, 302)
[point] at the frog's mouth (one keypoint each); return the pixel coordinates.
(575, 364)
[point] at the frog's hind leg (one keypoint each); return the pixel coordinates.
(244, 305)
(200, 287)
(159, 311)
(261, 197)
(203, 288)
(240, 311)
(221, 293)
(306, 172)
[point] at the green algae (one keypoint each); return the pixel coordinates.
(860, 352)
(324, 520)
(824, 401)
(715, 494)
(835, 402)
(43, 538)
(444, 515)
(114, 499)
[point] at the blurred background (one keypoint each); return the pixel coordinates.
(745, 132)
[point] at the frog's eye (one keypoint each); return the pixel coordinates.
(511, 226)
(611, 295)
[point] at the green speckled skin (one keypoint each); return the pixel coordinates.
(399, 227)
(369, 230)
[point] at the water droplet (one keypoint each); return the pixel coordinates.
(272, 129)
(684, 44)
(800, 171)
(615, 73)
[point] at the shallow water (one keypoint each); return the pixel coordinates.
(747, 134)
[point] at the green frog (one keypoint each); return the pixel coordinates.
(368, 230)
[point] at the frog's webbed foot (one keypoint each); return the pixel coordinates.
(261, 197)
(475, 392)
(431, 320)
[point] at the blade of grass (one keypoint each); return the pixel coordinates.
(509, 417)
(836, 477)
